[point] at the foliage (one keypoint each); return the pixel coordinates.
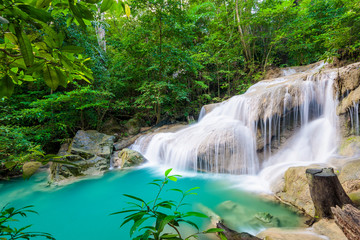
(33, 46)
(158, 214)
(8, 232)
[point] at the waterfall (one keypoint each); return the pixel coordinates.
(277, 123)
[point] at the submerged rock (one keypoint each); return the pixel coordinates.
(88, 154)
(128, 158)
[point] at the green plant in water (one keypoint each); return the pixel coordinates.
(158, 213)
(8, 232)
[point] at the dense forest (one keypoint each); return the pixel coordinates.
(67, 65)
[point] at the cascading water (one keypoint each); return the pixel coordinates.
(250, 133)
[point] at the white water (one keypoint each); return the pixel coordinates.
(242, 135)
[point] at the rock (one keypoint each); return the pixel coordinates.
(296, 190)
(111, 126)
(133, 126)
(233, 235)
(128, 158)
(350, 180)
(90, 143)
(330, 229)
(29, 168)
(125, 142)
(209, 107)
(286, 234)
(267, 219)
(88, 154)
(350, 146)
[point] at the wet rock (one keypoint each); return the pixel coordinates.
(90, 143)
(29, 168)
(296, 190)
(128, 158)
(88, 154)
(350, 180)
(111, 126)
(209, 107)
(330, 229)
(287, 234)
(133, 126)
(350, 146)
(125, 142)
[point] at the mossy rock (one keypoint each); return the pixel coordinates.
(350, 146)
(129, 158)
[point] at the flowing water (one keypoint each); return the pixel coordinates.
(81, 210)
(253, 138)
(288, 121)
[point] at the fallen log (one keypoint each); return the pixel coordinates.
(233, 235)
(326, 191)
(348, 219)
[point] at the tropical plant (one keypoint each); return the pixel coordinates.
(9, 232)
(151, 218)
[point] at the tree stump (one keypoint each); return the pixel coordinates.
(348, 219)
(326, 191)
(233, 235)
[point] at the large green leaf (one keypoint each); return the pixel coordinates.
(25, 47)
(92, 1)
(73, 49)
(11, 37)
(85, 12)
(50, 76)
(106, 5)
(43, 3)
(62, 77)
(6, 86)
(36, 13)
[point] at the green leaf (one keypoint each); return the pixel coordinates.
(172, 178)
(43, 3)
(11, 37)
(36, 13)
(214, 230)
(62, 78)
(50, 76)
(190, 223)
(85, 12)
(73, 49)
(195, 214)
(137, 224)
(92, 1)
(167, 172)
(191, 189)
(133, 197)
(25, 47)
(6, 87)
(106, 5)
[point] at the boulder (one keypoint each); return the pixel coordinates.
(287, 234)
(296, 190)
(88, 154)
(350, 146)
(330, 229)
(128, 158)
(133, 126)
(350, 180)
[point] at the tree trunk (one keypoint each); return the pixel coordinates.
(233, 235)
(348, 219)
(326, 191)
